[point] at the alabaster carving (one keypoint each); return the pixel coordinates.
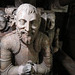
(26, 50)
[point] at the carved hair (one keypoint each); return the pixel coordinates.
(27, 8)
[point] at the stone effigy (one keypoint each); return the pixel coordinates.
(26, 50)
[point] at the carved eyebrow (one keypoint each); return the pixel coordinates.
(32, 21)
(23, 20)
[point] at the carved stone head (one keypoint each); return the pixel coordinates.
(27, 21)
(2, 20)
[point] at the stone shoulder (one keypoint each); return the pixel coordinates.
(44, 39)
(10, 40)
(10, 36)
(43, 36)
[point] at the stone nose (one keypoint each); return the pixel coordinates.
(27, 26)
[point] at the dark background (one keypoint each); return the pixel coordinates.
(64, 21)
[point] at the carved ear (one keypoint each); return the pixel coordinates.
(39, 19)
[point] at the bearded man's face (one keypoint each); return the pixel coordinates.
(27, 23)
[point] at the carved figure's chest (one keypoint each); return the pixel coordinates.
(26, 53)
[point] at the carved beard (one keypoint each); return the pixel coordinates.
(26, 39)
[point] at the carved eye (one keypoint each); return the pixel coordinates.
(22, 21)
(32, 22)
